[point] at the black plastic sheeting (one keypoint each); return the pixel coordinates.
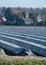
(25, 47)
(12, 51)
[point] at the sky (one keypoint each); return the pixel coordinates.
(23, 3)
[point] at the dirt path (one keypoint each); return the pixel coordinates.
(29, 57)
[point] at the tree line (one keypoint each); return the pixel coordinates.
(12, 19)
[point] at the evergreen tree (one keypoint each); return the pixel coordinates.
(24, 14)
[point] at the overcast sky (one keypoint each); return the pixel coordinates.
(23, 3)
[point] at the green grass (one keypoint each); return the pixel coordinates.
(22, 62)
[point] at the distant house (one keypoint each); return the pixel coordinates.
(27, 19)
(43, 18)
(27, 15)
(39, 18)
(4, 19)
(16, 11)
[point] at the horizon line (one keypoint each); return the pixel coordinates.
(22, 7)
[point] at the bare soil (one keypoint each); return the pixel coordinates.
(28, 57)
